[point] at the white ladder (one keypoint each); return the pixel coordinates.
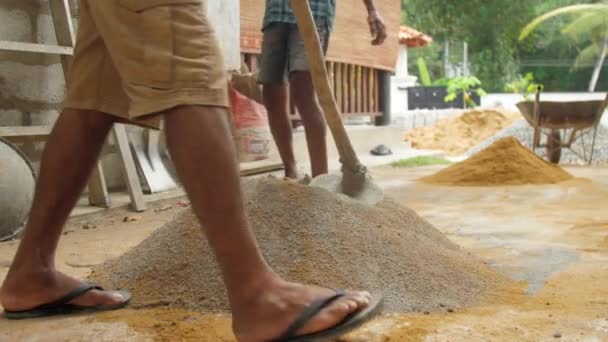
(64, 31)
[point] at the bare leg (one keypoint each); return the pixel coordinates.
(314, 123)
(263, 305)
(67, 162)
(275, 100)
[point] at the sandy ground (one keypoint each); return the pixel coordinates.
(552, 239)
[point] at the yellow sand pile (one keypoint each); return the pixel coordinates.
(506, 162)
(458, 134)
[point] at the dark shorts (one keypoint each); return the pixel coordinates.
(283, 51)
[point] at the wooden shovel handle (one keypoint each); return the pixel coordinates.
(316, 61)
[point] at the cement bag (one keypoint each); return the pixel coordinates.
(251, 132)
(246, 83)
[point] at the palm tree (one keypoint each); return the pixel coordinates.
(590, 20)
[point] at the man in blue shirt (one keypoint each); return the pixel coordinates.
(284, 58)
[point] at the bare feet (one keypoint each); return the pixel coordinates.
(267, 315)
(26, 291)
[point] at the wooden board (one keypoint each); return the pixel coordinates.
(64, 30)
(365, 90)
(128, 168)
(259, 167)
(359, 90)
(331, 75)
(18, 134)
(97, 188)
(35, 48)
(376, 92)
(352, 86)
(338, 86)
(351, 21)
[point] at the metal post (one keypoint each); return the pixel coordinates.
(465, 59)
(536, 119)
(446, 58)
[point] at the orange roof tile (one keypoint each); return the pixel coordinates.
(412, 38)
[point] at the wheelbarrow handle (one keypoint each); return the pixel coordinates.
(536, 119)
(604, 105)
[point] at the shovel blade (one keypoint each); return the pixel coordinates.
(362, 189)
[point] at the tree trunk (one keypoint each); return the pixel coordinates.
(600, 63)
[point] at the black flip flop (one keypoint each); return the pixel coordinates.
(349, 324)
(61, 306)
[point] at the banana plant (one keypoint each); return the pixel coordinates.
(589, 21)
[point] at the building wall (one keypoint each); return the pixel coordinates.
(350, 40)
(225, 18)
(399, 83)
(32, 86)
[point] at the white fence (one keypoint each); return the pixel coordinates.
(424, 117)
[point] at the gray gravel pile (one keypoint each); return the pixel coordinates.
(523, 132)
(312, 236)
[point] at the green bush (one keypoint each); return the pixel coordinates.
(464, 86)
(420, 161)
(524, 85)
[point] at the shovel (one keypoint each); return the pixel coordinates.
(354, 180)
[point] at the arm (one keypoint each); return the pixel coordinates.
(376, 24)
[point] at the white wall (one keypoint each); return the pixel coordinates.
(399, 84)
(225, 18)
(424, 117)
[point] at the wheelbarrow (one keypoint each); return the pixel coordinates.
(562, 124)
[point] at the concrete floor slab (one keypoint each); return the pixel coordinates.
(553, 238)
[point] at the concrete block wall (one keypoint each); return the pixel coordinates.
(32, 86)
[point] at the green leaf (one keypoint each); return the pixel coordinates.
(582, 27)
(587, 57)
(425, 77)
(524, 85)
(462, 85)
(574, 9)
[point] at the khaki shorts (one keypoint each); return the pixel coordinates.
(136, 58)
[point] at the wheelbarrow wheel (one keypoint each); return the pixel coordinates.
(554, 146)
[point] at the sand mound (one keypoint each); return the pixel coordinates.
(456, 135)
(312, 236)
(505, 162)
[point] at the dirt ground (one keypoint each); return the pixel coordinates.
(553, 240)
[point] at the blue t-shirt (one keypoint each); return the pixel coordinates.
(280, 11)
